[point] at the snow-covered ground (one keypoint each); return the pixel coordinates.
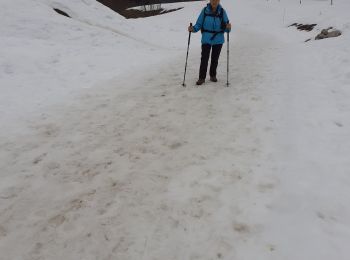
(103, 155)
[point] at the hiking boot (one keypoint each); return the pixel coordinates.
(213, 79)
(200, 82)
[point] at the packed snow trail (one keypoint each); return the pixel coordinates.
(156, 172)
(141, 168)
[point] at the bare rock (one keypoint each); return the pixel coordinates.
(325, 33)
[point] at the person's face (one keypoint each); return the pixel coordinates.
(214, 3)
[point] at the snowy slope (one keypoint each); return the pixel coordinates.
(49, 57)
(103, 155)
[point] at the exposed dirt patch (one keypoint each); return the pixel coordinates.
(325, 33)
(122, 6)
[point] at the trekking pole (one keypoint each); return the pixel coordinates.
(188, 47)
(228, 57)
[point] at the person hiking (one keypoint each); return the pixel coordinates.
(213, 23)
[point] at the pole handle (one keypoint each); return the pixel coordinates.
(189, 36)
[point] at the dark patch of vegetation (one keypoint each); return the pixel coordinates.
(303, 27)
(138, 13)
(61, 12)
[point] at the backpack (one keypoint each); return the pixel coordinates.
(221, 16)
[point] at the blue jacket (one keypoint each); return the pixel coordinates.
(211, 24)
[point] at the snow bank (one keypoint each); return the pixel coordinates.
(45, 57)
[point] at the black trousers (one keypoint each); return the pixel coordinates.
(215, 54)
